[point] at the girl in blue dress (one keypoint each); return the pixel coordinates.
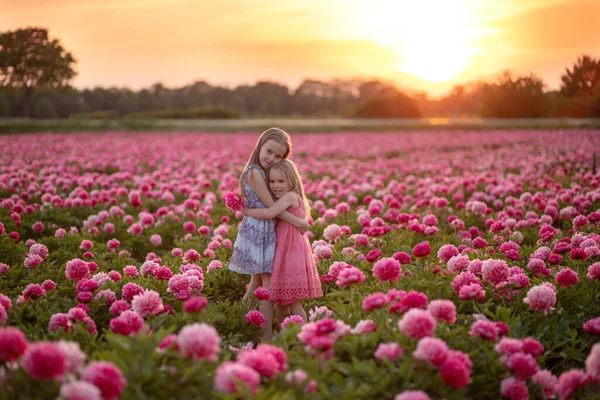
(254, 247)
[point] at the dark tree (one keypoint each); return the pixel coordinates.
(389, 104)
(30, 60)
(582, 79)
(514, 97)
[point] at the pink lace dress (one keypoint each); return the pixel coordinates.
(295, 274)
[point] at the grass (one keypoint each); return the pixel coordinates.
(11, 126)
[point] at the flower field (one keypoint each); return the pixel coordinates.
(454, 265)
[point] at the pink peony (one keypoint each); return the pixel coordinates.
(495, 271)
(364, 326)
(262, 294)
(190, 256)
(389, 351)
(402, 257)
(412, 395)
(332, 233)
(514, 389)
(533, 347)
(541, 298)
(214, 264)
(432, 350)
(40, 250)
(126, 323)
(130, 290)
(200, 341)
(592, 363)
(547, 381)
(462, 279)
(299, 377)
(13, 343)
(37, 226)
(5, 302)
(471, 291)
(475, 266)
(49, 285)
(387, 269)
(76, 269)
(455, 373)
(234, 201)
(33, 291)
(230, 377)
(255, 318)
(592, 326)
(569, 382)
(502, 328)
(567, 277)
(32, 261)
(417, 323)
(336, 267)
(118, 307)
(480, 243)
(374, 301)
(292, 319)
(107, 296)
(277, 352)
(594, 271)
(413, 299)
(147, 303)
(443, 310)
(484, 329)
(195, 304)
(4, 269)
(45, 360)
(107, 377)
(262, 362)
(523, 365)
(156, 239)
(373, 255)
(538, 266)
(60, 320)
(446, 252)
(350, 275)
(554, 259)
(162, 273)
(188, 226)
(458, 263)
(79, 390)
(422, 249)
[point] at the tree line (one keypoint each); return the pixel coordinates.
(36, 71)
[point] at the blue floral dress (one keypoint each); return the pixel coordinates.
(254, 247)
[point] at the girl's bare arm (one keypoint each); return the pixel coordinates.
(258, 184)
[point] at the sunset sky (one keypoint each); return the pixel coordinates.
(426, 45)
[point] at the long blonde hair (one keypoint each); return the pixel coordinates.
(276, 134)
(293, 176)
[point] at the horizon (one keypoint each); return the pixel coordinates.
(230, 43)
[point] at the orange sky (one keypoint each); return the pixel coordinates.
(426, 44)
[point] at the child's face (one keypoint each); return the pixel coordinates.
(278, 183)
(271, 153)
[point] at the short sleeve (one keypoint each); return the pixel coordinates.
(254, 166)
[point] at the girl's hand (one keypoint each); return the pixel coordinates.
(304, 227)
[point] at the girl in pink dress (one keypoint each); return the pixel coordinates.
(295, 274)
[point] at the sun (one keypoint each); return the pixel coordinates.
(433, 40)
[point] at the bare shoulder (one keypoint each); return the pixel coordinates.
(291, 198)
(254, 176)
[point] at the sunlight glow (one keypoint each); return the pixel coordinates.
(433, 39)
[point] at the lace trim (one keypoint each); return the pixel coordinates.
(293, 294)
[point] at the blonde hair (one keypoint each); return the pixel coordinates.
(276, 134)
(293, 176)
